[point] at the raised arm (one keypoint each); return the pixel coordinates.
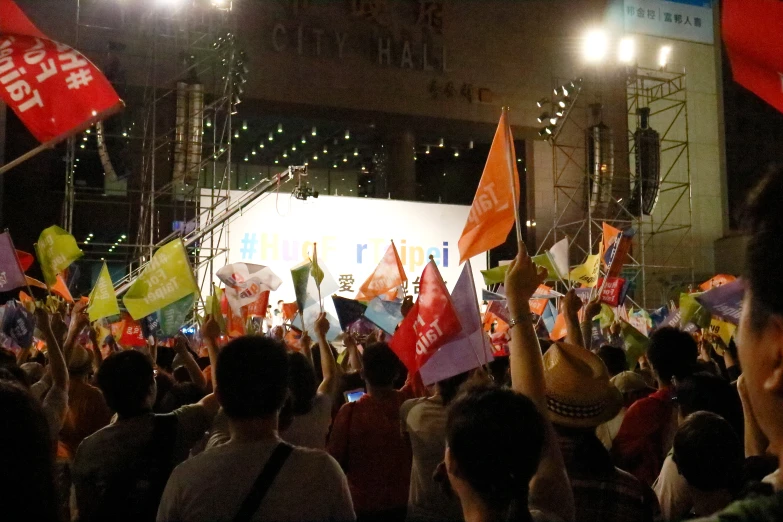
(550, 489)
(79, 320)
(306, 344)
(570, 308)
(329, 366)
(181, 346)
(592, 309)
(354, 359)
(58, 368)
(97, 354)
(210, 331)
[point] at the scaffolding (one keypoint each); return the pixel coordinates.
(661, 259)
(168, 156)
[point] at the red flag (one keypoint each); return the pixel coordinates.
(751, 30)
(718, 280)
(131, 334)
(430, 323)
(258, 307)
(25, 260)
(289, 311)
(51, 87)
(492, 213)
(387, 277)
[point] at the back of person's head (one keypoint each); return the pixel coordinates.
(127, 379)
(705, 391)
(380, 365)
(708, 452)
(301, 383)
(763, 221)
(27, 480)
(498, 368)
(166, 357)
(672, 354)
(252, 377)
(15, 374)
(181, 394)
(34, 371)
(614, 359)
(495, 438)
(448, 388)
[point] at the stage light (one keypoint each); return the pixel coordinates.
(314, 131)
(543, 117)
(562, 104)
(347, 134)
(456, 154)
(279, 128)
(427, 151)
(542, 133)
(564, 91)
(293, 147)
(664, 55)
(209, 122)
(261, 145)
(441, 143)
(315, 157)
(254, 152)
(325, 151)
(355, 152)
(236, 135)
(595, 46)
(277, 161)
(285, 153)
(304, 140)
(271, 137)
(345, 159)
(543, 101)
(626, 50)
(553, 121)
(87, 131)
(244, 125)
(90, 234)
(470, 145)
(334, 166)
(549, 130)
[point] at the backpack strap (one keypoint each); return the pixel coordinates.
(264, 481)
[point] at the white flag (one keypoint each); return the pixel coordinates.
(248, 281)
(558, 255)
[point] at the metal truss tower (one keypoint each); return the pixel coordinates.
(661, 259)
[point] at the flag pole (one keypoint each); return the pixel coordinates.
(510, 160)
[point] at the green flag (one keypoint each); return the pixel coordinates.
(691, 311)
(544, 261)
(635, 343)
(167, 278)
(173, 317)
(300, 274)
(103, 300)
(213, 307)
(495, 275)
(56, 250)
(606, 317)
(315, 270)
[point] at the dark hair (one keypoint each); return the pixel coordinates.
(252, 377)
(704, 391)
(381, 365)
(301, 383)
(126, 378)
(448, 388)
(672, 353)
(708, 453)
(763, 221)
(181, 394)
(614, 359)
(166, 357)
(496, 437)
(15, 374)
(498, 368)
(27, 480)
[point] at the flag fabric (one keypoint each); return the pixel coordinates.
(56, 250)
(613, 291)
(499, 309)
(544, 261)
(235, 322)
(385, 280)
(348, 310)
(495, 276)
(492, 212)
(18, 324)
(606, 317)
(103, 300)
(386, 315)
(635, 343)
(61, 289)
(751, 30)
(213, 307)
(610, 236)
(289, 311)
(545, 292)
(725, 301)
(300, 274)
(35, 283)
(470, 348)
(549, 316)
(150, 325)
(11, 272)
(718, 280)
(537, 306)
(431, 322)
(618, 254)
(25, 260)
(558, 255)
(559, 328)
(167, 279)
(691, 311)
(587, 273)
(131, 333)
(258, 307)
(249, 281)
(315, 270)
(486, 295)
(56, 91)
(173, 316)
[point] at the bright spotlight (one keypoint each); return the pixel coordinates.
(595, 46)
(626, 52)
(543, 117)
(663, 56)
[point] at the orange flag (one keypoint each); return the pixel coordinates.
(610, 235)
(492, 213)
(559, 331)
(59, 288)
(387, 277)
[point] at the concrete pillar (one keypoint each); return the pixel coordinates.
(401, 181)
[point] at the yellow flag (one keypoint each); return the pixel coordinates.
(167, 279)
(103, 300)
(587, 273)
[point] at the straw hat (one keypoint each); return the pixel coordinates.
(80, 360)
(578, 391)
(628, 382)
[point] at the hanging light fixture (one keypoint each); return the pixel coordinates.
(345, 159)
(254, 152)
(285, 153)
(470, 145)
(441, 143)
(247, 158)
(347, 134)
(325, 151)
(244, 125)
(271, 137)
(279, 128)
(427, 150)
(356, 152)
(543, 117)
(293, 147)
(314, 132)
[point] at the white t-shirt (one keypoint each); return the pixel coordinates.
(212, 486)
(424, 420)
(311, 429)
(607, 431)
(672, 491)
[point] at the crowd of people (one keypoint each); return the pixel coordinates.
(261, 430)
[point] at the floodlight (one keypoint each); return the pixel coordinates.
(663, 56)
(595, 46)
(626, 50)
